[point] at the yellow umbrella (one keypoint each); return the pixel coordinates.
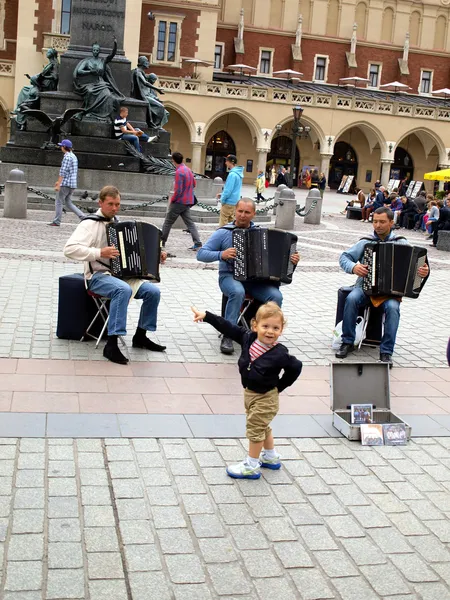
(443, 175)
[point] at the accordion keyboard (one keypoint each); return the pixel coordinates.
(115, 262)
(240, 263)
(367, 260)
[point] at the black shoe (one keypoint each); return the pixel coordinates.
(53, 224)
(386, 358)
(196, 246)
(226, 345)
(344, 350)
(140, 340)
(111, 352)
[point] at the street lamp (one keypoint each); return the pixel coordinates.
(297, 131)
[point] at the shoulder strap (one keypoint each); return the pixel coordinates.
(94, 218)
(393, 239)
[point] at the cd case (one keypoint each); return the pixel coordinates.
(372, 434)
(395, 434)
(361, 413)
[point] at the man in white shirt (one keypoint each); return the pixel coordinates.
(88, 243)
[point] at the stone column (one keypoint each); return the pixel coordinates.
(385, 171)
(325, 165)
(196, 164)
(262, 158)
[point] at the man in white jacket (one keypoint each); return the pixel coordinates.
(88, 243)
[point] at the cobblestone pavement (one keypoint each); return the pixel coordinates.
(139, 519)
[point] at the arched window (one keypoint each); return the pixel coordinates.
(414, 28)
(276, 10)
(387, 25)
(440, 33)
(247, 5)
(333, 18)
(361, 19)
(219, 146)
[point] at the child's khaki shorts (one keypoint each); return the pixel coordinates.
(260, 409)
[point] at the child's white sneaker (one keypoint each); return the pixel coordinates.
(270, 462)
(244, 470)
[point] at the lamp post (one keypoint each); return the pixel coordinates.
(298, 130)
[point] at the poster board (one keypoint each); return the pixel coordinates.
(342, 184)
(410, 188)
(348, 183)
(396, 185)
(390, 185)
(417, 188)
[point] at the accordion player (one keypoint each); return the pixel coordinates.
(139, 245)
(393, 269)
(264, 254)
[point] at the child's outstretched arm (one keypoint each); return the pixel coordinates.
(222, 325)
(292, 370)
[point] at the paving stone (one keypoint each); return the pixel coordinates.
(185, 467)
(334, 477)
(61, 508)
(32, 445)
(390, 541)
(60, 453)
(350, 495)
(253, 488)
(437, 472)
(128, 488)
(370, 484)
(388, 503)
(261, 563)
(248, 537)
(190, 485)
(132, 509)
(307, 445)
(293, 555)
(370, 516)
(267, 508)
(177, 451)
(430, 548)
(185, 568)
(62, 486)
(353, 467)
(61, 468)
(385, 579)
(167, 517)
(327, 506)
(364, 552)
(93, 477)
(136, 532)
(232, 453)
(299, 468)
(87, 445)
(65, 583)
(150, 459)
(28, 521)
(123, 470)
(217, 550)
(98, 516)
(30, 478)
(216, 476)
(288, 494)
(207, 526)
(209, 459)
(268, 589)
(101, 539)
(312, 485)
(22, 596)
(65, 555)
(119, 453)
(31, 461)
(175, 541)
(26, 547)
(228, 579)
(92, 495)
(162, 497)
(424, 510)
(311, 584)
(432, 591)
(64, 530)
(236, 514)
(316, 537)
(279, 477)
(371, 459)
(23, 576)
(104, 565)
(278, 530)
(195, 504)
(441, 529)
(107, 589)
(408, 524)
(5, 506)
(225, 494)
(441, 500)
(29, 498)
(344, 527)
(355, 588)
(424, 483)
(7, 468)
(335, 563)
(405, 491)
(387, 474)
(6, 484)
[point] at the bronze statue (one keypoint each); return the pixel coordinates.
(93, 80)
(46, 81)
(143, 89)
(54, 126)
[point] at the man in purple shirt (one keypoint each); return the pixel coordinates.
(180, 203)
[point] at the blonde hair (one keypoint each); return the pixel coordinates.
(267, 310)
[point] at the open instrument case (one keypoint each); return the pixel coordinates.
(361, 383)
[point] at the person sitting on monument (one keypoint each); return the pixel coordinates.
(88, 243)
(220, 247)
(93, 80)
(124, 130)
(143, 88)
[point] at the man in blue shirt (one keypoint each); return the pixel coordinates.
(66, 184)
(350, 262)
(220, 247)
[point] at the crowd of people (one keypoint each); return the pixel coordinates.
(423, 213)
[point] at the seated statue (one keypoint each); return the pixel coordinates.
(46, 81)
(93, 80)
(142, 88)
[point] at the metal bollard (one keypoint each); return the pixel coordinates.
(286, 210)
(313, 218)
(15, 204)
(276, 197)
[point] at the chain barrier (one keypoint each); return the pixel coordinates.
(300, 212)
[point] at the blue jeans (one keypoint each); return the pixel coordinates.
(235, 292)
(353, 303)
(119, 292)
(64, 198)
(134, 139)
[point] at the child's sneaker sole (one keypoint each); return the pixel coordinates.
(273, 466)
(256, 475)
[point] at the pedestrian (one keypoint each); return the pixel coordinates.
(281, 177)
(315, 179)
(231, 191)
(322, 183)
(273, 175)
(124, 130)
(261, 361)
(307, 179)
(66, 184)
(260, 186)
(181, 202)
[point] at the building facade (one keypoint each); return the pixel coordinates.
(360, 130)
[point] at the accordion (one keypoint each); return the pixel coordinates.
(393, 269)
(139, 245)
(263, 254)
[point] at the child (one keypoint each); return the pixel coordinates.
(260, 186)
(262, 358)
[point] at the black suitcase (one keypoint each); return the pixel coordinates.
(374, 331)
(76, 309)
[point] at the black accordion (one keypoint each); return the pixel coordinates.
(263, 254)
(393, 269)
(139, 245)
